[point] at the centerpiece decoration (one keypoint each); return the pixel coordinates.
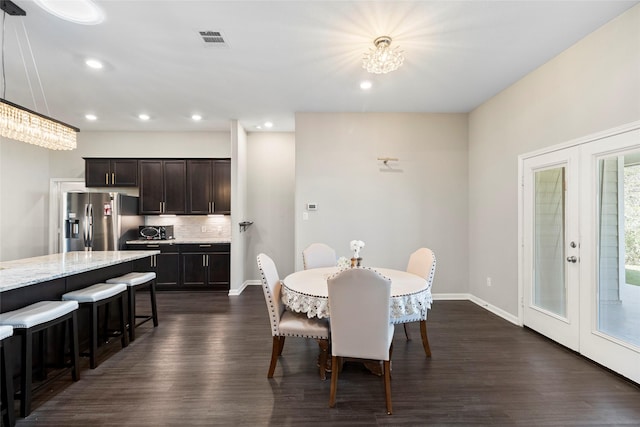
(356, 246)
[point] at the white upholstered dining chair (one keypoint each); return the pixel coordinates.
(360, 322)
(286, 323)
(318, 255)
(421, 263)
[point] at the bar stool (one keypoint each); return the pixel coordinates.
(135, 281)
(37, 318)
(94, 297)
(6, 380)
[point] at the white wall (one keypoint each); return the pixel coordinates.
(591, 87)
(238, 206)
(69, 164)
(24, 200)
(421, 200)
(270, 200)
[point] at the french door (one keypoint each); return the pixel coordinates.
(552, 246)
(580, 261)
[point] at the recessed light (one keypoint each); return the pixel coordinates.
(79, 11)
(196, 117)
(91, 117)
(93, 63)
(143, 116)
(268, 125)
(366, 85)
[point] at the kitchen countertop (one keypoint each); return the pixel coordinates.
(181, 241)
(29, 271)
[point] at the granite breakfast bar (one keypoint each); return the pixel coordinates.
(47, 277)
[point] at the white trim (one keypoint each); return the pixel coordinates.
(582, 140)
(480, 302)
(496, 310)
(56, 187)
(451, 297)
(236, 292)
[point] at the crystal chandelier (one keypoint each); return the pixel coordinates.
(24, 125)
(383, 59)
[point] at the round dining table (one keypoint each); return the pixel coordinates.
(306, 292)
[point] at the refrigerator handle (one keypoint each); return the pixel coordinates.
(88, 231)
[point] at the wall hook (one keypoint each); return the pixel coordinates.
(386, 160)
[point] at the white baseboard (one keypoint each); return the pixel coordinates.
(236, 292)
(482, 303)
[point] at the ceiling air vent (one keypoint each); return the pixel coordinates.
(213, 38)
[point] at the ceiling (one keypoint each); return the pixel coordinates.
(280, 57)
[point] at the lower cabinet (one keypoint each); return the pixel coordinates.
(187, 266)
(166, 264)
(205, 266)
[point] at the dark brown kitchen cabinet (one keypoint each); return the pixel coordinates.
(111, 172)
(166, 264)
(209, 186)
(205, 266)
(162, 186)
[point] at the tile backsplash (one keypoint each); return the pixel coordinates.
(194, 227)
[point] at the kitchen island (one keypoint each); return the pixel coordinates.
(47, 277)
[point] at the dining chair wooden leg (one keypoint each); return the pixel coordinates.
(324, 351)
(281, 346)
(275, 352)
(387, 385)
(425, 339)
(406, 332)
(335, 362)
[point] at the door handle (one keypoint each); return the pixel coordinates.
(113, 178)
(106, 178)
(572, 259)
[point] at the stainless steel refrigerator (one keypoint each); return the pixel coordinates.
(98, 221)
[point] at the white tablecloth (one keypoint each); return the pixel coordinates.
(306, 292)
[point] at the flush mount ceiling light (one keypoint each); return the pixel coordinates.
(93, 63)
(383, 59)
(22, 124)
(84, 12)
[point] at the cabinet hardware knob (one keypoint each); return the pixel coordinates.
(106, 178)
(113, 178)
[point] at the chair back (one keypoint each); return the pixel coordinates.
(423, 263)
(271, 286)
(318, 255)
(360, 314)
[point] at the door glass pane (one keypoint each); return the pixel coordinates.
(619, 247)
(549, 290)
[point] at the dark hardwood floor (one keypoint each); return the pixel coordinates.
(206, 364)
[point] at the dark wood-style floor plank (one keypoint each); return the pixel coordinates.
(206, 364)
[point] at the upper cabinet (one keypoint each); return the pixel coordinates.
(162, 186)
(111, 172)
(168, 186)
(208, 186)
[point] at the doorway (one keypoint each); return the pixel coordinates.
(57, 186)
(580, 241)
